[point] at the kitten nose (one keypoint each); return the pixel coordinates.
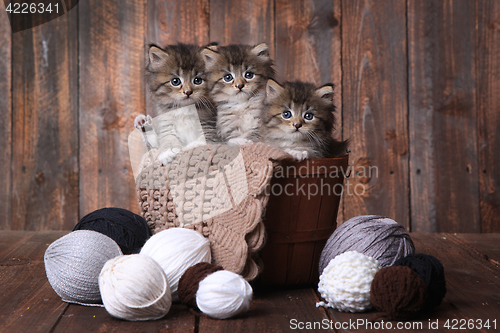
(188, 92)
(239, 85)
(297, 125)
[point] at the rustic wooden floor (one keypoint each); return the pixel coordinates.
(471, 261)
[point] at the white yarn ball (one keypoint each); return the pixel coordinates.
(223, 294)
(345, 282)
(176, 250)
(73, 263)
(134, 287)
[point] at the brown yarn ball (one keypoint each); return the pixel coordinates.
(398, 292)
(189, 282)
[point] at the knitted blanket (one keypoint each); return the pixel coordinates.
(218, 190)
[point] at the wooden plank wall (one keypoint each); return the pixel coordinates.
(44, 162)
(5, 121)
(417, 93)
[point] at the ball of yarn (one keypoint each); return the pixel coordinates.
(218, 293)
(189, 281)
(431, 270)
(134, 287)
(130, 231)
(73, 263)
(345, 282)
(176, 250)
(375, 236)
(398, 292)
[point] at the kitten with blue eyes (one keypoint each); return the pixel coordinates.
(176, 78)
(299, 118)
(238, 75)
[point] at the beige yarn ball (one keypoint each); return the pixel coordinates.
(134, 287)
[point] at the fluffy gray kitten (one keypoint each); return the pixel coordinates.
(177, 79)
(238, 75)
(299, 119)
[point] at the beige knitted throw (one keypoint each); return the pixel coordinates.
(217, 190)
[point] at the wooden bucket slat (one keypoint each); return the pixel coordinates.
(297, 226)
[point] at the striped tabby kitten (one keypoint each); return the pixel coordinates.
(299, 119)
(238, 74)
(176, 78)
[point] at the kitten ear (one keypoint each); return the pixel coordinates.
(261, 50)
(157, 57)
(326, 92)
(273, 89)
(213, 46)
(210, 55)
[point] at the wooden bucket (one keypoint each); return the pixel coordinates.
(300, 218)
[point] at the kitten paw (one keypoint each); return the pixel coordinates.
(141, 120)
(168, 156)
(239, 141)
(297, 154)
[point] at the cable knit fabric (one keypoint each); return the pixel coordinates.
(217, 190)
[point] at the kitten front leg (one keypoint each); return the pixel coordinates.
(299, 155)
(140, 123)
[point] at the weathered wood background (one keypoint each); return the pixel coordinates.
(417, 93)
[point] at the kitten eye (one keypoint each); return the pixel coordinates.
(175, 81)
(197, 80)
(286, 114)
(308, 116)
(249, 75)
(228, 77)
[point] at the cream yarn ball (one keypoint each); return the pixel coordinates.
(224, 294)
(73, 263)
(176, 250)
(346, 281)
(134, 287)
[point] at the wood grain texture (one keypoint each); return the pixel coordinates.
(27, 301)
(5, 120)
(375, 108)
(442, 116)
(242, 22)
(94, 319)
(488, 107)
(170, 22)
(464, 267)
(272, 310)
(45, 126)
(111, 37)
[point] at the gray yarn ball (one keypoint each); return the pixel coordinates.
(73, 264)
(375, 236)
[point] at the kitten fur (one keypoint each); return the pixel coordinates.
(176, 77)
(238, 74)
(285, 123)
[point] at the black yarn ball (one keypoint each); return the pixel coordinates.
(431, 270)
(130, 231)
